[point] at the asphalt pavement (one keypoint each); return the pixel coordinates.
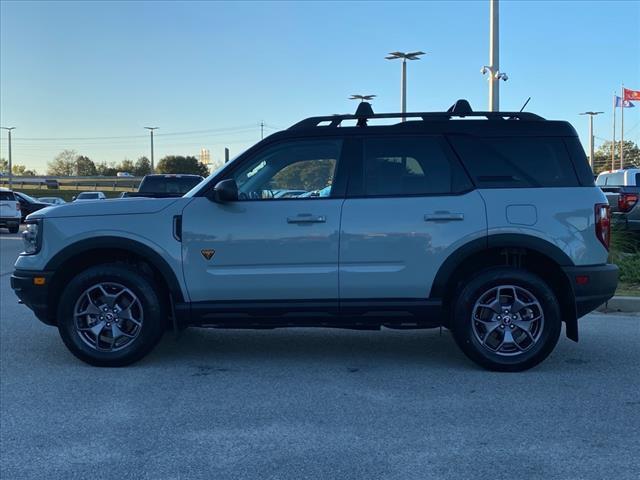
(316, 404)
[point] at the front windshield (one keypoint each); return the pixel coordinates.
(28, 198)
(88, 196)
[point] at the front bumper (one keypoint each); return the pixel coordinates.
(592, 285)
(33, 295)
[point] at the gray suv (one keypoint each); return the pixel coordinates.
(492, 228)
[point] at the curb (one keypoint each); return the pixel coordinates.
(621, 304)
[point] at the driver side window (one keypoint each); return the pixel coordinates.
(298, 169)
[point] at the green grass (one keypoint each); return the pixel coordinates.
(625, 252)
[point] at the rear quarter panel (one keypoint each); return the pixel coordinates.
(563, 217)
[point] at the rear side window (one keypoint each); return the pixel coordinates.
(638, 179)
(7, 196)
(395, 166)
(516, 162)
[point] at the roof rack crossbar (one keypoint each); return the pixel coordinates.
(336, 120)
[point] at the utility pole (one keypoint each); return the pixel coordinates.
(226, 154)
(151, 129)
(493, 69)
(591, 115)
(403, 80)
(8, 129)
(262, 130)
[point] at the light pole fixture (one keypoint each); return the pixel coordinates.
(362, 98)
(8, 129)
(151, 129)
(403, 85)
(591, 115)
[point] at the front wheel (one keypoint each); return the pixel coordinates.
(506, 319)
(110, 315)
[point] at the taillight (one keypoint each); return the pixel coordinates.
(18, 206)
(626, 201)
(603, 223)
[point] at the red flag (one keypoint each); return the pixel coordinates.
(629, 94)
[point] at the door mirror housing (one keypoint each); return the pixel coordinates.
(225, 191)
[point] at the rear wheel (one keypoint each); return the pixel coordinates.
(506, 319)
(14, 228)
(110, 315)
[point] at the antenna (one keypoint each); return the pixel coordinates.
(525, 104)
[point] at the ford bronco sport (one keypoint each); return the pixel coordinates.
(488, 224)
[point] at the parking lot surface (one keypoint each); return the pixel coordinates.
(314, 403)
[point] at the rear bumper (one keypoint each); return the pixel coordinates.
(5, 221)
(592, 285)
(34, 296)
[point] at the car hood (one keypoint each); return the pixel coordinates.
(116, 206)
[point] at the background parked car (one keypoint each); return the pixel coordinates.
(124, 174)
(167, 185)
(9, 210)
(622, 188)
(89, 196)
(29, 204)
(52, 200)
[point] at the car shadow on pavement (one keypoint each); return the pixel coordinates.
(309, 346)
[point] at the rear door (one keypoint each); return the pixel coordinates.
(409, 206)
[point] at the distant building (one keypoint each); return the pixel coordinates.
(205, 156)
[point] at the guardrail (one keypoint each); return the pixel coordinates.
(73, 183)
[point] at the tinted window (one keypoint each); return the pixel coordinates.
(7, 196)
(409, 166)
(516, 162)
(168, 184)
(303, 169)
(638, 179)
(88, 196)
(580, 161)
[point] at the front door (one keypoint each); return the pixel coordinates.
(280, 240)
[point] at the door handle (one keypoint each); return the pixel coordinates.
(307, 218)
(443, 217)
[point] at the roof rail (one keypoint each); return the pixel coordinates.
(460, 109)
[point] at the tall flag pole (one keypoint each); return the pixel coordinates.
(622, 128)
(613, 140)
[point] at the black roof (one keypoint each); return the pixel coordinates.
(459, 119)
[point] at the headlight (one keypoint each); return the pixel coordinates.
(32, 237)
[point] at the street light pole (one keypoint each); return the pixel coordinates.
(591, 154)
(493, 69)
(8, 129)
(494, 55)
(151, 129)
(403, 81)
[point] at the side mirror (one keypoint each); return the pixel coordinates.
(225, 191)
(73, 198)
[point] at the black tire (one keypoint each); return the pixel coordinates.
(465, 327)
(14, 229)
(152, 308)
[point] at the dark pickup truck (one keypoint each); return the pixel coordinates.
(622, 188)
(165, 185)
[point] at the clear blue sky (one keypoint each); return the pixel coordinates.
(90, 69)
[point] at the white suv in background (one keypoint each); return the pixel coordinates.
(9, 211)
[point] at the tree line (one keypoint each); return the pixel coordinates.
(69, 163)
